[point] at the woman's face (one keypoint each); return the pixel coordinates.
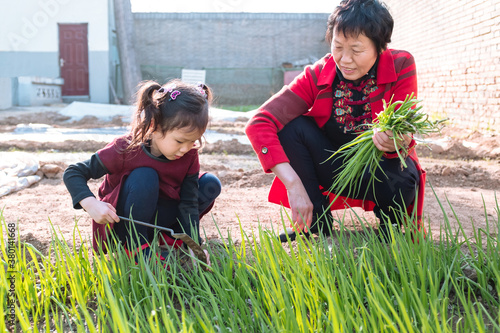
(354, 55)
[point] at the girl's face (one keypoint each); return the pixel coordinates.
(174, 144)
(354, 55)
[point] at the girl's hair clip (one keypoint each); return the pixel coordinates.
(173, 95)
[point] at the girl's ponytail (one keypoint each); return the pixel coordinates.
(146, 115)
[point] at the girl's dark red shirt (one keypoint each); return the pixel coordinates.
(119, 163)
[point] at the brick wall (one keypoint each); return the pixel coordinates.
(456, 45)
(242, 52)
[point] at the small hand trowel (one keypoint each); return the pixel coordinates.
(195, 247)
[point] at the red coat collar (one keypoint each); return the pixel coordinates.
(328, 72)
(386, 72)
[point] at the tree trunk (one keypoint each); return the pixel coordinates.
(125, 33)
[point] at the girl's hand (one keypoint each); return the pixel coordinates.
(384, 141)
(101, 212)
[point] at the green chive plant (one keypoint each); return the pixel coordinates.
(350, 282)
(360, 155)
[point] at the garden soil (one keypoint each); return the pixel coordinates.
(463, 179)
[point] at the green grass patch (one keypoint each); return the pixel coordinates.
(351, 282)
(239, 108)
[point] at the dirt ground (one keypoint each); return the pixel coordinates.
(463, 170)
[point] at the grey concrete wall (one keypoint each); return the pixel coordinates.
(242, 52)
(13, 64)
(98, 76)
(5, 93)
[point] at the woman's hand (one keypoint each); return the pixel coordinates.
(384, 141)
(101, 212)
(302, 207)
(300, 204)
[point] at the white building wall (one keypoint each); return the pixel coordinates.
(29, 42)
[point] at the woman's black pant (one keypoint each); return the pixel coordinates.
(307, 148)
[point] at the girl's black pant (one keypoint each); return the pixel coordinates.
(139, 196)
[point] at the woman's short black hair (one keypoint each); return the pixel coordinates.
(370, 17)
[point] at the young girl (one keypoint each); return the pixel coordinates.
(152, 173)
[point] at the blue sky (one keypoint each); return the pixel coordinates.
(272, 6)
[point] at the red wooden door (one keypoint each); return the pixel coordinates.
(74, 59)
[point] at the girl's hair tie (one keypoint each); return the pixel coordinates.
(201, 88)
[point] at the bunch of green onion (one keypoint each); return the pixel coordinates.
(361, 155)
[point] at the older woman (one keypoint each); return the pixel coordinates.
(297, 129)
